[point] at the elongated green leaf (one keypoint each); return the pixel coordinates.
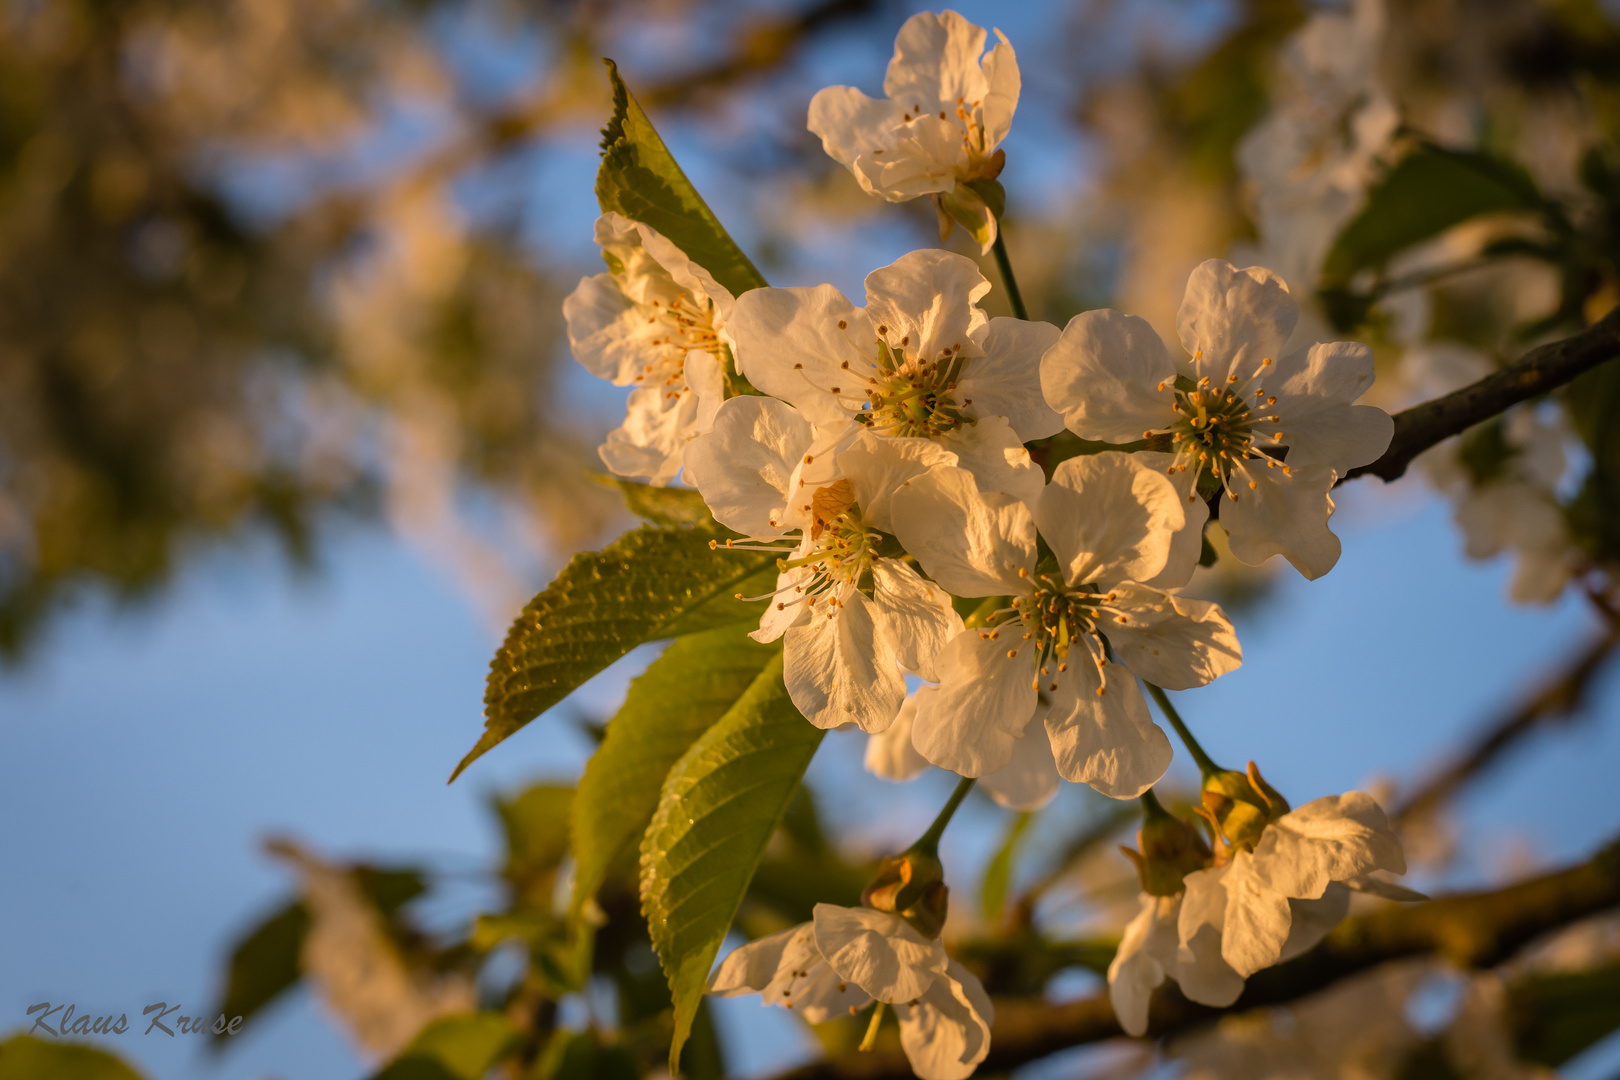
(998, 875)
(717, 810)
(26, 1057)
(677, 699)
(640, 179)
(263, 964)
(1428, 192)
(664, 505)
(653, 582)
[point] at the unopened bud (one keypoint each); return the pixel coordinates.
(911, 886)
(1171, 849)
(1238, 807)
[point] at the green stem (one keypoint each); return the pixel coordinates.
(1014, 297)
(1151, 805)
(929, 841)
(1205, 765)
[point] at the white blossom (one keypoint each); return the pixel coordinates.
(657, 322)
(845, 958)
(1027, 782)
(1151, 950)
(1109, 519)
(853, 621)
(1275, 432)
(1310, 160)
(921, 366)
(1276, 902)
(938, 129)
(1505, 495)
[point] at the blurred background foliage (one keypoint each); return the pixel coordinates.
(274, 267)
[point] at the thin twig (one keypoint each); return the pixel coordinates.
(1470, 929)
(1540, 370)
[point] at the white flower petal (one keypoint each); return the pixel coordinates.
(651, 441)
(1006, 380)
(749, 969)
(839, 668)
(931, 298)
(1314, 390)
(881, 953)
(851, 126)
(1109, 517)
(992, 451)
(1231, 319)
(890, 753)
(1139, 966)
(946, 1032)
(877, 466)
(1030, 779)
(1110, 377)
(936, 61)
(1187, 545)
(970, 722)
(1283, 514)
(786, 609)
(1107, 740)
(1257, 918)
(1174, 641)
(973, 543)
(744, 464)
(604, 332)
(914, 616)
(790, 346)
(1309, 921)
(1333, 838)
(1001, 74)
(1200, 970)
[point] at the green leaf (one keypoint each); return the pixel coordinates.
(674, 701)
(390, 888)
(998, 875)
(664, 505)
(717, 810)
(536, 826)
(653, 582)
(640, 179)
(1426, 193)
(263, 964)
(580, 1055)
(464, 1047)
(24, 1057)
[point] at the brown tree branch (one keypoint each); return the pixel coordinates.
(1558, 697)
(1542, 369)
(1472, 929)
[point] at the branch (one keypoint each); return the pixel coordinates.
(1540, 370)
(1558, 697)
(1471, 929)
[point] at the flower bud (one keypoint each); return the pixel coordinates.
(1238, 808)
(1171, 849)
(911, 886)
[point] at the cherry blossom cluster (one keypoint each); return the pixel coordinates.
(883, 449)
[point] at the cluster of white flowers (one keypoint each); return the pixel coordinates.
(885, 454)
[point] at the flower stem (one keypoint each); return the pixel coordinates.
(1205, 765)
(872, 1028)
(1151, 805)
(1014, 297)
(929, 841)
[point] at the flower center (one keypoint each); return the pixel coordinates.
(1054, 618)
(969, 117)
(1223, 428)
(838, 553)
(912, 397)
(677, 327)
